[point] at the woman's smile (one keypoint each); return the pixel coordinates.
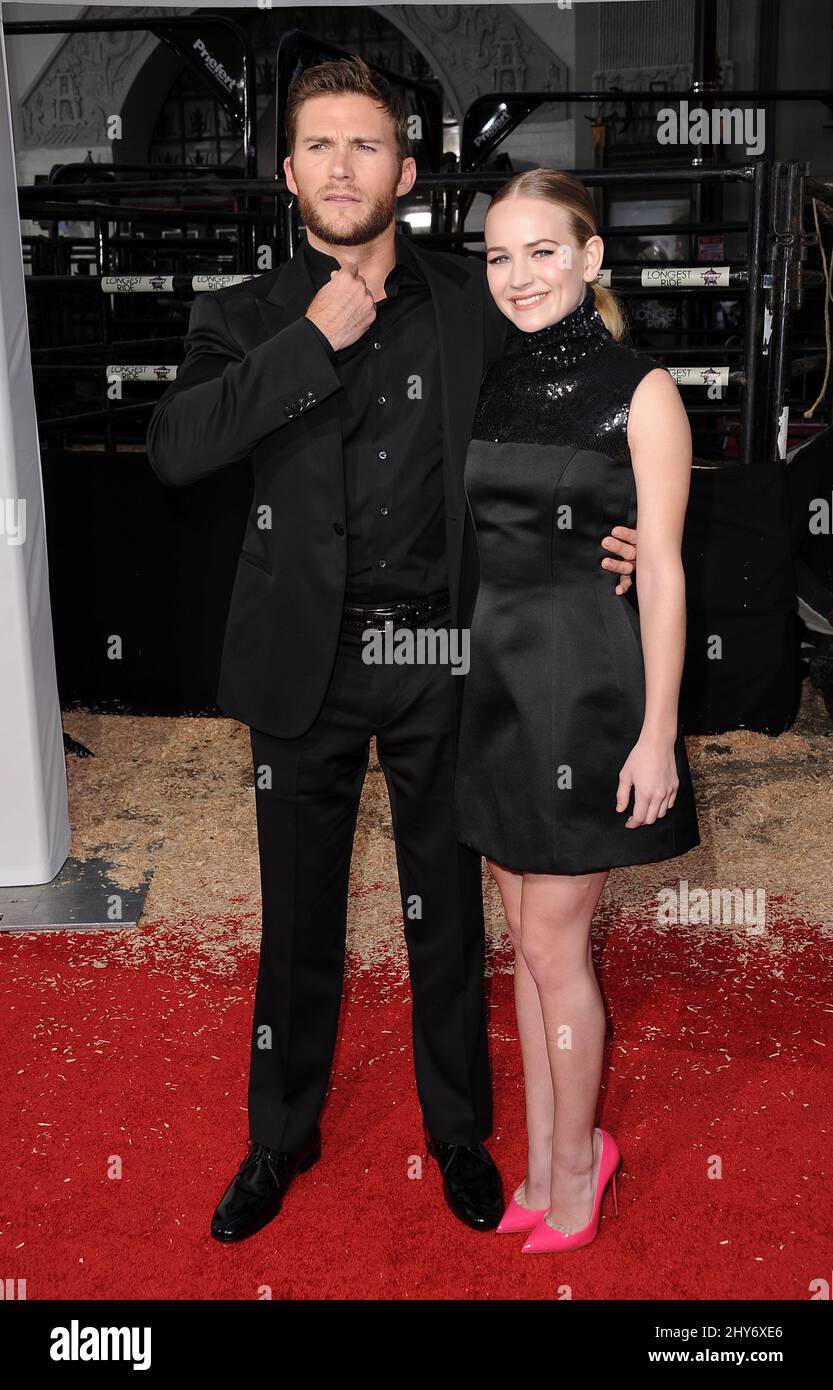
(528, 301)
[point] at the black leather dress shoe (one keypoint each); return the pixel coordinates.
(471, 1182)
(254, 1195)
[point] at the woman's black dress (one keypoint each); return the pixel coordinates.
(554, 697)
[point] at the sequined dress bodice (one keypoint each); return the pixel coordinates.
(568, 383)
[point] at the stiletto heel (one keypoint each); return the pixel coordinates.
(546, 1239)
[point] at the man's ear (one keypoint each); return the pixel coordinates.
(289, 174)
(407, 176)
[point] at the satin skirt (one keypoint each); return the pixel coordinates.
(554, 698)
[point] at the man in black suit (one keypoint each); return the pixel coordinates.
(350, 378)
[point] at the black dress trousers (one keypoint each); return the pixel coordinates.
(307, 792)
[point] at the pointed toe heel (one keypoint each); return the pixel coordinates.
(517, 1218)
(544, 1239)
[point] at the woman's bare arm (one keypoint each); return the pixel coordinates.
(659, 437)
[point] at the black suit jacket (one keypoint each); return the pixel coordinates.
(257, 382)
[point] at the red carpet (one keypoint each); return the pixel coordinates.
(720, 1046)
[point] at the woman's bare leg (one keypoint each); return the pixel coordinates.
(534, 1192)
(556, 912)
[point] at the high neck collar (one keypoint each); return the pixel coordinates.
(570, 338)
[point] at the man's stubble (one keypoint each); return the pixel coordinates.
(379, 217)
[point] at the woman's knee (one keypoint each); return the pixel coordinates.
(549, 960)
(554, 946)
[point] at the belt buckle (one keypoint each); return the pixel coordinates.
(374, 618)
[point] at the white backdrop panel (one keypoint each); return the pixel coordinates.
(34, 823)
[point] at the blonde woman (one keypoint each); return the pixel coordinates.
(570, 758)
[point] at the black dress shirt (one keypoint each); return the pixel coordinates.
(391, 417)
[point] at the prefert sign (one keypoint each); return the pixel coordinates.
(215, 67)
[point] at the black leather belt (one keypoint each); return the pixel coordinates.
(411, 612)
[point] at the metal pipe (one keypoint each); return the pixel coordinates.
(754, 326)
(40, 355)
(785, 176)
(478, 182)
(63, 421)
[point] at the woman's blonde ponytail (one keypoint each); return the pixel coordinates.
(609, 306)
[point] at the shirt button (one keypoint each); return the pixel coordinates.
(382, 454)
(377, 345)
(381, 400)
(384, 511)
(382, 564)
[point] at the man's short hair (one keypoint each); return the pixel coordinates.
(347, 75)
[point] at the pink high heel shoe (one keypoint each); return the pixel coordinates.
(517, 1218)
(545, 1239)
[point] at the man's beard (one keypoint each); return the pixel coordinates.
(378, 219)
